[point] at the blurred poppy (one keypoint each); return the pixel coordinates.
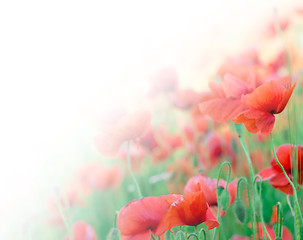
(274, 173)
(226, 101)
(180, 171)
(129, 127)
(246, 65)
(163, 81)
(283, 24)
(187, 98)
(140, 217)
(136, 153)
(268, 99)
(95, 176)
(200, 121)
(192, 210)
(208, 186)
(82, 231)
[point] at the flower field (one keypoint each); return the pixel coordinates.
(225, 162)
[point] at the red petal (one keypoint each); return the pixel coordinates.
(222, 109)
(268, 173)
(233, 86)
(211, 221)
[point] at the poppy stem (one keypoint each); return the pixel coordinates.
(64, 218)
(218, 196)
(298, 213)
(279, 220)
(261, 207)
(252, 174)
(131, 171)
(204, 234)
(192, 235)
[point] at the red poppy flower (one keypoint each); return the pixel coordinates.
(192, 210)
(274, 173)
(226, 102)
(140, 217)
(268, 99)
(208, 186)
(128, 127)
(82, 231)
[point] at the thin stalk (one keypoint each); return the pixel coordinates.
(131, 171)
(252, 174)
(279, 220)
(64, 218)
(261, 208)
(204, 234)
(298, 213)
(218, 197)
(193, 235)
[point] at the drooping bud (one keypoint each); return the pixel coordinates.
(224, 198)
(240, 210)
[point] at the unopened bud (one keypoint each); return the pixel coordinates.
(240, 210)
(224, 199)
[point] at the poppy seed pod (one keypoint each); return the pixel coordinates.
(224, 198)
(240, 210)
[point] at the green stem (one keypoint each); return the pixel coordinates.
(131, 171)
(193, 235)
(261, 207)
(204, 234)
(296, 202)
(218, 199)
(279, 220)
(252, 174)
(64, 218)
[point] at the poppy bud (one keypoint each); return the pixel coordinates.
(240, 210)
(258, 204)
(180, 235)
(113, 234)
(224, 199)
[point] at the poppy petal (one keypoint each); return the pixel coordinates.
(211, 221)
(222, 109)
(233, 86)
(268, 173)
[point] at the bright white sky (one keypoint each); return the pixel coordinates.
(61, 59)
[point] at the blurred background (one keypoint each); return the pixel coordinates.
(62, 63)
